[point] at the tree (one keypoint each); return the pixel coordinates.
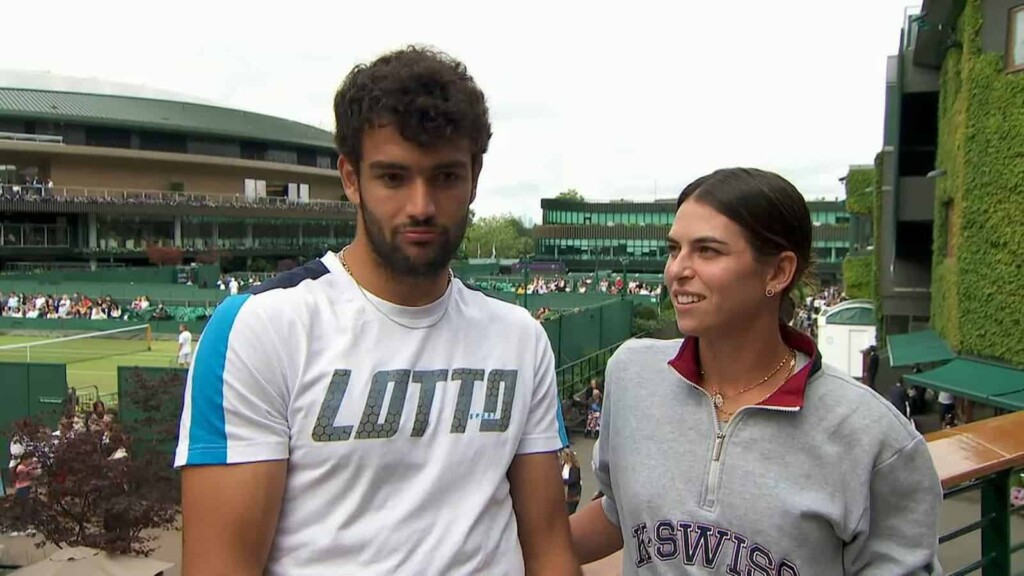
(505, 236)
(84, 497)
(571, 195)
(164, 255)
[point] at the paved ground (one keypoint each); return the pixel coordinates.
(957, 512)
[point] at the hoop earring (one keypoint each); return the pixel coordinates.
(769, 292)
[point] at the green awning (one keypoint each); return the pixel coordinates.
(921, 347)
(1012, 401)
(991, 384)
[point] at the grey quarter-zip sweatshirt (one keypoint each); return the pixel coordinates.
(822, 478)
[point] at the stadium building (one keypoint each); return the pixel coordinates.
(98, 173)
(630, 236)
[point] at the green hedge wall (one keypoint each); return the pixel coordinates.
(876, 231)
(859, 276)
(978, 263)
(859, 193)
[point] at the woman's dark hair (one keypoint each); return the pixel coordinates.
(770, 210)
(427, 95)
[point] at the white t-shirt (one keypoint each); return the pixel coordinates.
(184, 343)
(302, 369)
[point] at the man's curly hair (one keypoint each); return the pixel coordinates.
(426, 94)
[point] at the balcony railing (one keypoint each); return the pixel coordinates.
(79, 195)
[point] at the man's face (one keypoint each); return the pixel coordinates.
(413, 202)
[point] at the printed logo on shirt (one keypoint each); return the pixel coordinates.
(693, 543)
(501, 386)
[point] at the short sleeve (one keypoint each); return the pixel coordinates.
(545, 428)
(235, 408)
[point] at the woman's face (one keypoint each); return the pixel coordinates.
(712, 273)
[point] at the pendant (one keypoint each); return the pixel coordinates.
(718, 400)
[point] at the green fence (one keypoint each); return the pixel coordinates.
(29, 391)
(581, 333)
(567, 300)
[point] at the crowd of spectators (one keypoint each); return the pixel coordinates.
(38, 191)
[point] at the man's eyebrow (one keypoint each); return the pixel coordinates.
(385, 165)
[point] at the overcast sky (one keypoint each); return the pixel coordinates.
(618, 100)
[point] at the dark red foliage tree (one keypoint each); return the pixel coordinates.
(83, 497)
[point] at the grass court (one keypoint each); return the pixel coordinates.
(92, 361)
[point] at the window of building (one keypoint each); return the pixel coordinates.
(1015, 40)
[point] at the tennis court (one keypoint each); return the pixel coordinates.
(93, 360)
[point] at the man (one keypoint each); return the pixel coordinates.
(184, 346)
(365, 414)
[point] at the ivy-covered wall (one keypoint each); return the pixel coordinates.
(859, 276)
(876, 231)
(978, 262)
(859, 196)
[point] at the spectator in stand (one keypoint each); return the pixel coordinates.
(27, 470)
(98, 420)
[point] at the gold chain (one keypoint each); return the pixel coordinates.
(448, 298)
(720, 399)
(728, 414)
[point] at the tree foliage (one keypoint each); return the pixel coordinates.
(506, 236)
(164, 255)
(83, 497)
(571, 195)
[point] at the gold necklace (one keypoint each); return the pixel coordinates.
(448, 298)
(719, 399)
(728, 414)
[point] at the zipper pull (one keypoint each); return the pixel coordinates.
(717, 453)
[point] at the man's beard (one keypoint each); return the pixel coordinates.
(390, 252)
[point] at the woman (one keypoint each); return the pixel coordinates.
(571, 479)
(734, 450)
(593, 428)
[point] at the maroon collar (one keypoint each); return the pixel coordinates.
(789, 395)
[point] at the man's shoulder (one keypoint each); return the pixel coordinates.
(494, 308)
(301, 278)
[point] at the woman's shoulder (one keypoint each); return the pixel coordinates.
(647, 348)
(856, 412)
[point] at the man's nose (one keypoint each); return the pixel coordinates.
(420, 205)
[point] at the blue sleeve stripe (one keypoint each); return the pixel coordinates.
(561, 427)
(207, 436)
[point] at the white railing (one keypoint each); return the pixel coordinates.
(130, 196)
(47, 138)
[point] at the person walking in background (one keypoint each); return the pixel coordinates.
(184, 346)
(571, 478)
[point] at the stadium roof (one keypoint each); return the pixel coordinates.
(159, 115)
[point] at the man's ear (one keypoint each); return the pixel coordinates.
(349, 173)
